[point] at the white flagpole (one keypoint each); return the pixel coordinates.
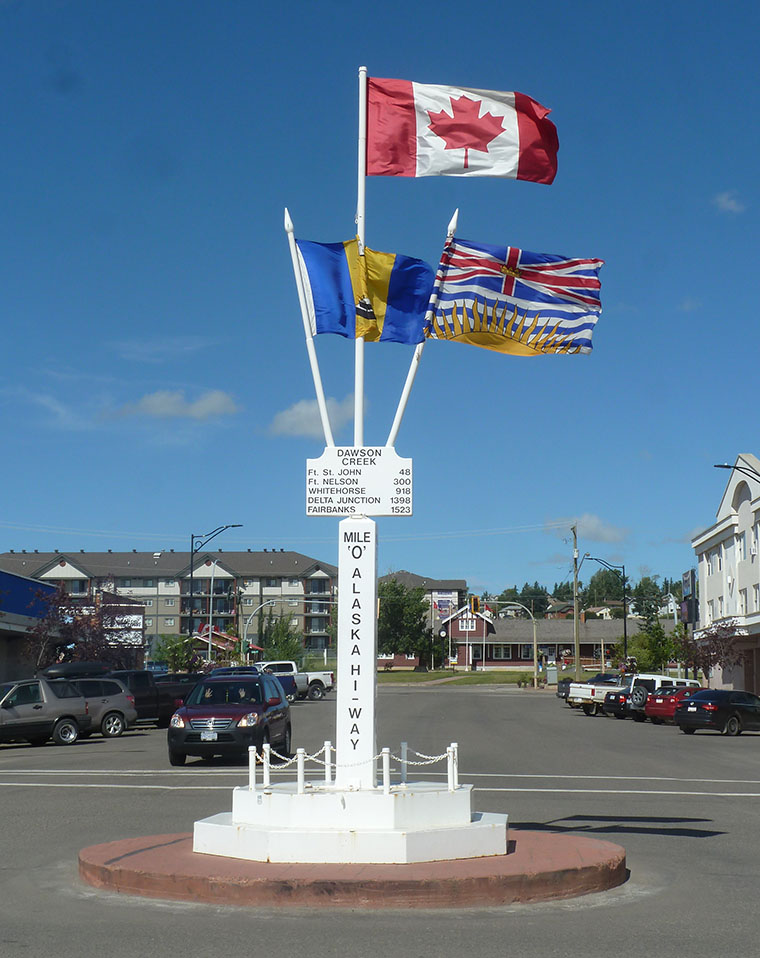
(312, 353)
(414, 365)
(360, 209)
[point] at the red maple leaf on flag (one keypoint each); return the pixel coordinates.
(466, 130)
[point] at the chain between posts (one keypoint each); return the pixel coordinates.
(301, 757)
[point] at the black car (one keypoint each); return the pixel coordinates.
(227, 714)
(726, 710)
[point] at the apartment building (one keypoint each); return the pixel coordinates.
(728, 567)
(227, 587)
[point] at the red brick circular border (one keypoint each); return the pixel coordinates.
(540, 866)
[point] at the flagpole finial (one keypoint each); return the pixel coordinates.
(452, 227)
(288, 222)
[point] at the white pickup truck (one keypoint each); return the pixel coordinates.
(589, 696)
(313, 685)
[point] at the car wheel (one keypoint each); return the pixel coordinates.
(177, 758)
(66, 732)
(588, 709)
(638, 717)
(733, 726)
(37, 741)
(285, 746)
(113, 725)
(619, 715)
(163, 722)
(656, 721)
(688, 731)
(316, 691)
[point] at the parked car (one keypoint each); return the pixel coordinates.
(227, 714)
(601, 678)
(35, 710)
(315, 685)
(155, 704)
(112, 706)
(631, 698)
(661, 705)
(726, 710)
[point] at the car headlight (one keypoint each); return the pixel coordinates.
(249, 720)
(177, 721)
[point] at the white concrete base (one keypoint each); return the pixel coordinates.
(418, 822)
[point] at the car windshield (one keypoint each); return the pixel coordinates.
(225, 693)
(709, 695)
(5, 689)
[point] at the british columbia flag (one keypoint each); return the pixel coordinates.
(514, 301)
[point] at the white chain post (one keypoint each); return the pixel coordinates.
(386, 755)
(404, 760)
(455, 752)
(300, 757)
(450, 768)
(252, 768)
(266, 751)
(328, 763)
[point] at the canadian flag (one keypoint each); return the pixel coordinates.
(418, 129)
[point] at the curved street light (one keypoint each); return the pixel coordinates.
(250, 618)
(620, 569)
(518, 605)
(196, 544)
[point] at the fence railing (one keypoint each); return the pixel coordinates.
(451, 756)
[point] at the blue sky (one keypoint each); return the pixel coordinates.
(155, 381)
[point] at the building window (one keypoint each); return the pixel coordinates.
(467, 624)
(756, 598)
(169, 583)
(149, 583)
(502, 652)
(271, 583)
(247, 601)
(294, 583)
(741, 546)
(169, 602)
(125, 583)
(720, 606)
(742, 601)
(169, 621)
(526, 651)
(148, 603)
(148, 623)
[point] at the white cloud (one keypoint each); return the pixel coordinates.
(688, 305)
(302, 418)
(729, 202)
(171, 404)
(594, 529)
(159, 350)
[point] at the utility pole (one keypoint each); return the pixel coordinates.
(576, 638)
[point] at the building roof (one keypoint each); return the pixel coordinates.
(413, 581)
(102, 565)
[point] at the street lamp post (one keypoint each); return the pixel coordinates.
(196, 544)
(614, 568)
(249, 620)
(519, 605)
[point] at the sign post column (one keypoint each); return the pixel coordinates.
(355, 738)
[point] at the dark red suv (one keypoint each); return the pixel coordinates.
(225, 715)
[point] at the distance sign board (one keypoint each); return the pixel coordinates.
(353, 481)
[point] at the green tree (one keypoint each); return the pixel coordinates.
(605, 585)
(282, 639)
(178, 653)
(648, 599)
(536, 598)
(714, 647)
(402, 624)
(563, 591)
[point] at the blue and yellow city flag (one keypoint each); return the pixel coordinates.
(380, 296)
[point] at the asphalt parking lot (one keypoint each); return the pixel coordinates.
(685, 808)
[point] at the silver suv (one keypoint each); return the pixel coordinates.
(112, 705)
(35, 710)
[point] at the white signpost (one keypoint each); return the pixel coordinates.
(355, 739)
(361, 482)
